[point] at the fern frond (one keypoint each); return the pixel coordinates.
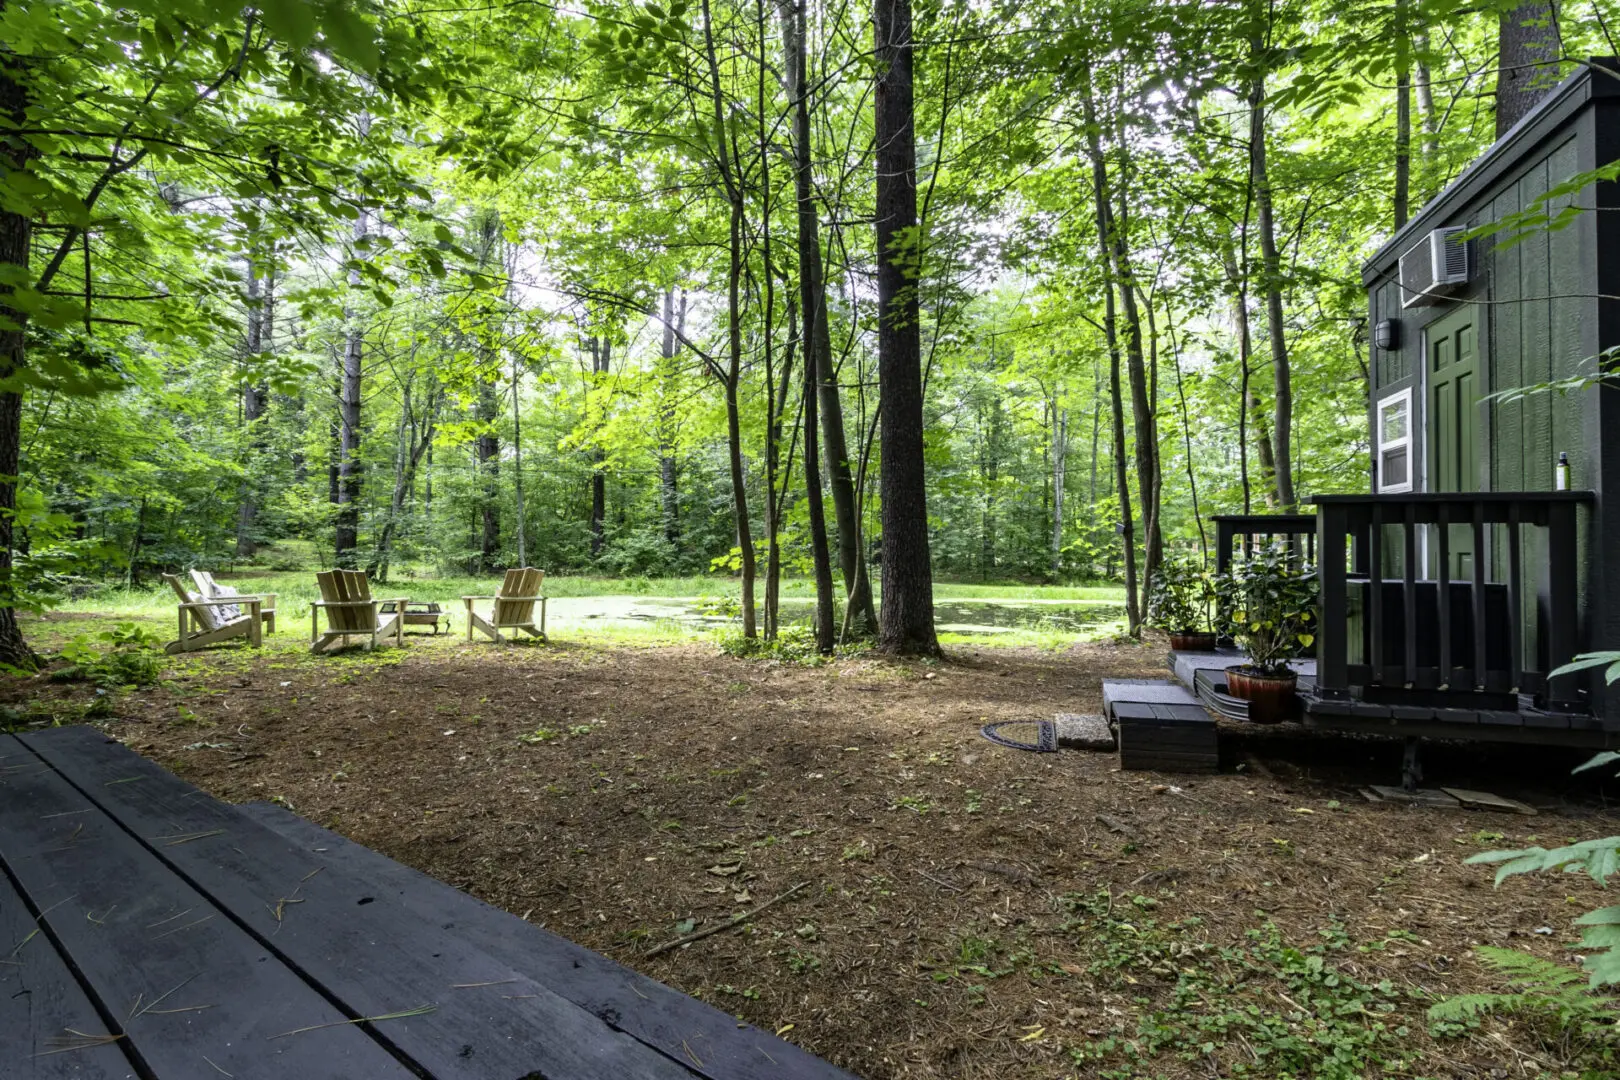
(1529, 970)
(1469, 1006)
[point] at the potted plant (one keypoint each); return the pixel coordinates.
(1271, 595)
(1180, 598)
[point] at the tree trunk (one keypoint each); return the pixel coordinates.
(1060, 463)
(776, 402)
(1423, 87)
(1127, 526)
(907, 614)
(517, 463)
(862, 619)
(990, 481)
(415, 445)
(1283, 405)
(255, 396)
(601, 363)
(487, 450)
(16, 237)
(1403, 115)
(1143, 422)
(134, 578)
(821, 558)
(746, 557)
(347, 538)
(1403, 143)
(1527, 53)
(669, 491)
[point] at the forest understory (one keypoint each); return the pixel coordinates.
(969, 911)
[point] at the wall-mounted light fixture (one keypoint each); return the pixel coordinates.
(1387, 334)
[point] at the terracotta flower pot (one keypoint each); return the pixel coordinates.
(1192, 641)
(1270, 697)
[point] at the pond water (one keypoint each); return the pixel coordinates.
(974, 617)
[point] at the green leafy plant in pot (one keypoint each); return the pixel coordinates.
(1181, 596)
(1272, 597)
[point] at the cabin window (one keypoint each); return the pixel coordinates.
(1395, 442)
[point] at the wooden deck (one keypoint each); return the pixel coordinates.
(148, 930)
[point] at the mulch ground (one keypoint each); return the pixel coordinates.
(970, 911)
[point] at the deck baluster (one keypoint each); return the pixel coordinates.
(1481, 630)
(1443, 564)
(1332, 642)
(1409, 594)
(1562, 626)
(1375, 594)
(1515, 597)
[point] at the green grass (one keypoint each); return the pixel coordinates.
(153, 605)
(295, 590)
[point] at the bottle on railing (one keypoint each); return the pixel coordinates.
(1561, 473)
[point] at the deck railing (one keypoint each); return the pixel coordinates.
(1298, 530)
(1244, 531)
(1397, 620)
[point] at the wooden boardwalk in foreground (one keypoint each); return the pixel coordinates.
(148, 930)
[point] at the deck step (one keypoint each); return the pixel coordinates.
(1161, 726)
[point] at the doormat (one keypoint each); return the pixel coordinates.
(1045, 735)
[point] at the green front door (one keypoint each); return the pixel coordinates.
(1453, 420)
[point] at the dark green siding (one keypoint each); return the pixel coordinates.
(1507, 428)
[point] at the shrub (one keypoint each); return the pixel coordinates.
(122, 656)
(1271, 597)
(1181, 596)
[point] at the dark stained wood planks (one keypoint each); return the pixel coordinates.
(189, 990)
(711, 1042)
(42, 1004)
(356, 941)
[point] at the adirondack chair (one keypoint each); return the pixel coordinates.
(514, 606)
(212, 590)
(207, 620)
(351, 611)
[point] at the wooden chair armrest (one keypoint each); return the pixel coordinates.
(225, 601)
(481, 598)
(542, 596)
(345, 603)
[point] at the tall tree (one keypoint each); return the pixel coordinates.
(487, 412)
(723, 147)
(16, 241)
(259, 298)
(674, 323)
(862, 619)
(1271, 263)
(906, 623)
(1527, 53)
(601, 354)
(350, 375)
(1105, 253)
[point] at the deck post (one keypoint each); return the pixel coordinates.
(1332, 639)
(1562, 615)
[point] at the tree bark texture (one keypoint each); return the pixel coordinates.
(906, 618)
(1276, 329)
(1528, 48)
(16, 238)
(668, 475)
(255, 397)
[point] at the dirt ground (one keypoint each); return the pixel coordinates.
(969, 910)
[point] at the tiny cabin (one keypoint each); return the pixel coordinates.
(1487, 551)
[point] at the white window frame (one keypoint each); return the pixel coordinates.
(1405, 441)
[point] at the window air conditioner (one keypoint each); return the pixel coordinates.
(1434, 267)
